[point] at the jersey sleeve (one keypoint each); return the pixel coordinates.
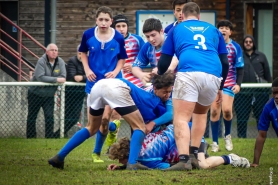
(239, 58)
(83, 45)
(122, 54)
(264, 120)
(168, 46)
(167, 116)
(222, 45)
(142, 59)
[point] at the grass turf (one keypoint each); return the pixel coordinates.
(24, 161)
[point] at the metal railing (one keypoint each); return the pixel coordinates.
(17, 54)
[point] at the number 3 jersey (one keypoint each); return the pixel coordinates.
(197, 45)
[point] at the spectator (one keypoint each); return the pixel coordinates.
(74, 97)
(255, 67)
(269, 114)
(49, 68)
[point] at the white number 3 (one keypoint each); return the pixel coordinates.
(201, 41)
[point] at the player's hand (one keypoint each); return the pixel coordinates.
(154, 71)
(219, 96)
(146, 77)
(110, 74)
(254, 165)
(112, 167)
(61, 80)
(78, 78)
(90, 75)
(149, 127)
(236, 89)
(127, 68)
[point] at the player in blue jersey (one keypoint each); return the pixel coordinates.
(177, 7)
(134, 104)
(159, 151)
(106, 58)
(202, 54)
(231, 87)
(269, 114)
(151, 51)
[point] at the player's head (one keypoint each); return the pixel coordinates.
(190, 10)
(275, 90)
(78, 53)
(120, 23)
(153, 31)
(177, 7)
(104, 17)
(226, 28)
(120, 150)
(163, 85)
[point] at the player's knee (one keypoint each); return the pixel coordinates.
(227, 114)
(213, 114)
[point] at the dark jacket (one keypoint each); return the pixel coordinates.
(259, 62)
(44, 72)
(75, 67)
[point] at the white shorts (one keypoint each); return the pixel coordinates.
(112, 92)
(196, 87)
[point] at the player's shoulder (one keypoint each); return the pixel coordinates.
(235, 43)
(270, 104)
(136, 37)
(117, 35)
(90, 31)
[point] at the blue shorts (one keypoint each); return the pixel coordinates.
(228, 91)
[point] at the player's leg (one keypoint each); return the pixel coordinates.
(113, 129)
(101, 134)
(215, 111)
(209, 85)
(227, 109)
(94, 121)
(123, 103)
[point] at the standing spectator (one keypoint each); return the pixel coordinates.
(269, 114)
(202, 54)
(177, 7)
(255, 67)
(231, 87)
(74, 97)
(49, 68)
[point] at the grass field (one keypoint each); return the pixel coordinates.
(24, 161)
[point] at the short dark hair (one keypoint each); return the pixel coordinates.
(275, 82)
(152, 24)
(165, 80)
(104, 9)
(191, 8)
(226, 23)
(178, 2)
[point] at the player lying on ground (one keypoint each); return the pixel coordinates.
(159, 151)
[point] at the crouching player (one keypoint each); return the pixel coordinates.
(127, 99)
(159, 151)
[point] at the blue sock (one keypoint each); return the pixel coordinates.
(228, 126)
(214, 130)
(226, 159)
(137, 139)
(112, 126)
(100, 139)
(78, 138)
